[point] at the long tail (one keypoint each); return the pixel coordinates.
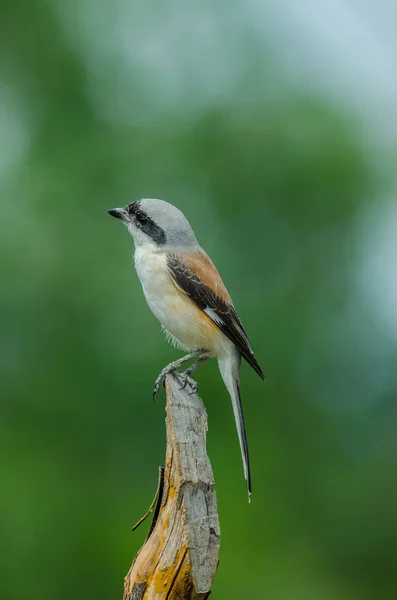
(230, 371)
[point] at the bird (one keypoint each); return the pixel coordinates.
(187, 295)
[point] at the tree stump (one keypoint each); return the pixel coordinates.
(179, 558)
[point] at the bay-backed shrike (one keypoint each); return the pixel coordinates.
(185, 292)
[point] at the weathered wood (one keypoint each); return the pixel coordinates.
(180, 555)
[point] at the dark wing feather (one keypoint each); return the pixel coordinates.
(222, 313)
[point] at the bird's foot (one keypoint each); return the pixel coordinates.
(161, 379)
(172, 368)
(187, 380)
(183, 376)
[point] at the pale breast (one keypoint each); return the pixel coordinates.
(176, 312)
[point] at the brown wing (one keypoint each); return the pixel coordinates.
(198, 278)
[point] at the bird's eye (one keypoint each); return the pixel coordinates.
(142, 218)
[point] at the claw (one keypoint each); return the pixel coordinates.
(194, 387)
(155, 390)
(160, 380)
(192, 384)
(187, 380)
(184, 385)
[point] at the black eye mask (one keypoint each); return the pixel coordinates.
(146, 224)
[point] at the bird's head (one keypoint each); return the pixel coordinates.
(155, 222)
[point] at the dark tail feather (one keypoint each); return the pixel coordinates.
(244, 445)
(230, 371)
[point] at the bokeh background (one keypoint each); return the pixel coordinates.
(273, 127)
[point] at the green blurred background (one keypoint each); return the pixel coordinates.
(273, 128)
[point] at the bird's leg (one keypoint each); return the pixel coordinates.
(172, 367)
(188, 380)
(196, 364)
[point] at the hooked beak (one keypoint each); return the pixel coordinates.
(118, 213)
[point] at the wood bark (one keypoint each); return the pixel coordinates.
(179, 558)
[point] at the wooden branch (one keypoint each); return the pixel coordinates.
(180, 555)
